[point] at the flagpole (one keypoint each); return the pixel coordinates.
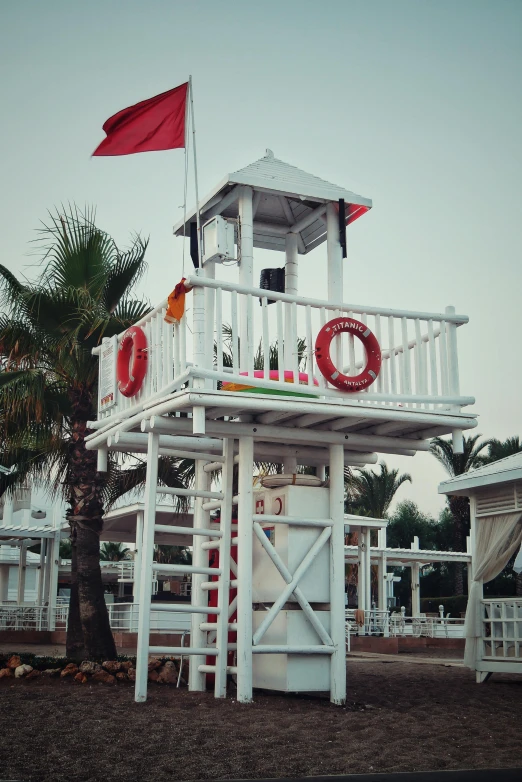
(200, 238)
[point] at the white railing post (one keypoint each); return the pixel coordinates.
(337, 621)
(246, 275)
(199, 350)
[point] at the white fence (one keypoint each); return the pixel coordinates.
(381, 623)
(123, 617)
(419, 349)
(17, 617)
(502, 629)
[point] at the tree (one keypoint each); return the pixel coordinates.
(457, 464)
(370, 493)
(48, 390)
(172, 555)
(498, 449)
(407, 521)
(114, 552)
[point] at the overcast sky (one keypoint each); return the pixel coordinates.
(413, 103)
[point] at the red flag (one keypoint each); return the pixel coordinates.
(152, 125)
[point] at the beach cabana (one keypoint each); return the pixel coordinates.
(494, 625)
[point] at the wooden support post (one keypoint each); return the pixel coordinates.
(244, 565)
(22, 570)
(337, 620)
(198, 638)
(4, 583)
(368, 572)
(361, 562)
(137, 556)
(41, 573)
(54, 565)
(147, 553)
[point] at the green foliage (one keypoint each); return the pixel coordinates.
(47, 332)
(500, 449)
(406, 522)
(114, 552)
(370, 493)
(65, 549)
(172, 555)
(459, 463)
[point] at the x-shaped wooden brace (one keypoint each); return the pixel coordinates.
(292, 584)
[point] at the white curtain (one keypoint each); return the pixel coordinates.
(496, 540)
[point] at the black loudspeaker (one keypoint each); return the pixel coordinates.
(272, 280)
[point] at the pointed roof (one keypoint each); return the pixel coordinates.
(286, 199)
(505, 470)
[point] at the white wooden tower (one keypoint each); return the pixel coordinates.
(287, 618)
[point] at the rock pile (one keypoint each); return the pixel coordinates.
(109, 672)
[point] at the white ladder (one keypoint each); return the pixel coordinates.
(200, 647)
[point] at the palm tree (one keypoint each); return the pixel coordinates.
(172, 555)
(370, 493)
(457, 464)
(114, 552)
(48, 390)
(498, 449)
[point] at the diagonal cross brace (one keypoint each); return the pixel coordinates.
(292, 584)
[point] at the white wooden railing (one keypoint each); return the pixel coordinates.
(419, 349)
(502, 629)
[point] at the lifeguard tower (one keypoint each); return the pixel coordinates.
(269, 387)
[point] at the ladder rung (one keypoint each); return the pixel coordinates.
(210, 533)
(208, 495)
(216, 505)
(209, 626)
(184, 609)
(208, 586)
(182, 650)
(211, 505)
(298, 522)
(213, 466)
(212, 668)
(210, 571)
(215, 544)
(281, 649)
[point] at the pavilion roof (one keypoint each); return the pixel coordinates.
(284, 197)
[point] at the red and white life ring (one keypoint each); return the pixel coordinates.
(326, 365)
(131, 364)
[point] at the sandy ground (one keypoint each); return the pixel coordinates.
(399, 717)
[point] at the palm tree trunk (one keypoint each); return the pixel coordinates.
(75, 647)
(87, 522)
(459, 507)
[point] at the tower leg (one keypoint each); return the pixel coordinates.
(220, 687)
(199, 597)
(244, 554)
(337, 622)
(147, 553)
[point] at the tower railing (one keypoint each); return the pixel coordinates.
(229, 331)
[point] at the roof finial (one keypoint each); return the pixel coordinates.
(269, 154)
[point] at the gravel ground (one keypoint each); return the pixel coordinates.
(399, 717)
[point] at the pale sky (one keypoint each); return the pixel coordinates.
(413, 103)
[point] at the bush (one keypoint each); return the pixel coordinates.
(452, 605)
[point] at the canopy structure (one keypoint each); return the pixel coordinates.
(494, 625)
(277, 211)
